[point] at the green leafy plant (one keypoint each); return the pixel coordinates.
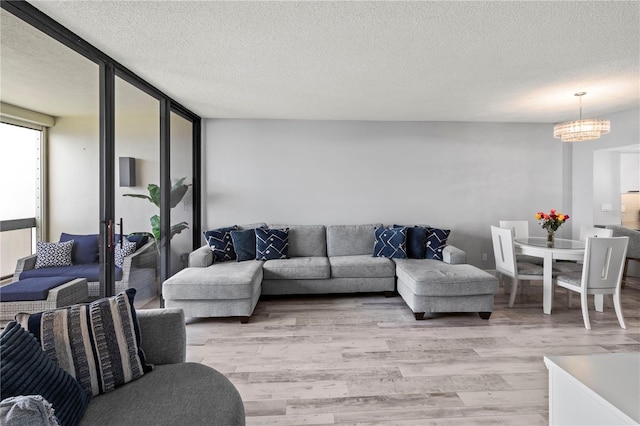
(178, 191)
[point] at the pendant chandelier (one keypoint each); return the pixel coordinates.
(581, 130)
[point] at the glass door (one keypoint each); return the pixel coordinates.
(137, 192)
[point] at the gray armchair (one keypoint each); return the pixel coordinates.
(633, 250)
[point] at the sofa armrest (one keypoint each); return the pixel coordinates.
(164, 335)
(201, 258)
(453, 255)
(24, 264)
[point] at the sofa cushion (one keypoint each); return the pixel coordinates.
(123, 250)
(97, 343)
(350, 240)
(416, 241)
(53, 254)
(219, 240)
(272, 244)
(27, 370)
(436, 242)
(244, 244)
(89, 271)
(85, 247)
(390, 243)
(429, 277)
(174, 394)
(362, 266)
(297, 268)
(306, 240)
(30, 289)
(229, 280)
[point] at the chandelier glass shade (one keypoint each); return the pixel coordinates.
(583, 129)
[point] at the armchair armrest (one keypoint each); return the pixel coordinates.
(164, 335)
(453, 255)
(201, 258)
(24, 264)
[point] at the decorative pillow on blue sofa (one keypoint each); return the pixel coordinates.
(436, 242)
(123, 250)
(98, 343)
(53, 254)
(416, 241)
(244, 244)
(27, 370)
(221, 244)
(85, 247)
(272, 244)
(390, 242)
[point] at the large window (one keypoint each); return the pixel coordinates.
(19, 193)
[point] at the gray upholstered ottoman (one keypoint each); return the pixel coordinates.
(430, 286)
(227, 289)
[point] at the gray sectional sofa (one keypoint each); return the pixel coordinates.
(327, 260)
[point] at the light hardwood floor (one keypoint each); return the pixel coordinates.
(365, 360)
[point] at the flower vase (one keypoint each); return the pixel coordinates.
(550, 238)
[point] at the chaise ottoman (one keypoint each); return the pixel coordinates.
(227, 289)
(430, 286)
(41, 294)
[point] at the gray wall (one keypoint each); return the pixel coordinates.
(459, 176)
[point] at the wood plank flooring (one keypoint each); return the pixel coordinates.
(364, 359)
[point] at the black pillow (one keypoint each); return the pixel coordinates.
(27, 370)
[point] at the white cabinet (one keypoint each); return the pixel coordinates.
(600, 389)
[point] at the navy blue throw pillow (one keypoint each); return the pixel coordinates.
(221, 244)
(390, 242)
(272, 244)
(416, 241)
(244, 243)
(436, 242)
(27, 370)
(85, 247)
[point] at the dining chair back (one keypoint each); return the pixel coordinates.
(520, 227)
(507, 264)
(601, 273)
(592, 231)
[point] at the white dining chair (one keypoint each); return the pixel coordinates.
(585, 232)
(508, 265)
(601, 274)
(520, 230)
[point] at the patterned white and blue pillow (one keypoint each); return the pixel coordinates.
(436, 242)
(390, 242)
(128, 248)
(272, 244)
(221, 244)
(53, 254)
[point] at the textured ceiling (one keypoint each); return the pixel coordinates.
(423, 61)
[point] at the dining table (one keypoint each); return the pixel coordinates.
(560, 249)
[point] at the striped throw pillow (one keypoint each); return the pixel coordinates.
(98, 343)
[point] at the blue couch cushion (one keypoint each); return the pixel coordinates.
(140, 238)
(221, 244)
(244, 244)
(272, 244)
(27, 370)
(436, 242)
(30, 289)
(416, 241)
(89, 271)
(85, 247)
(390, 242)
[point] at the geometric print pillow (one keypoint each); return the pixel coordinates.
(98, 343)
(128, 247)
(272, 244)
(436, 242)
(390, 242)
(53, 254)
(221, 244)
